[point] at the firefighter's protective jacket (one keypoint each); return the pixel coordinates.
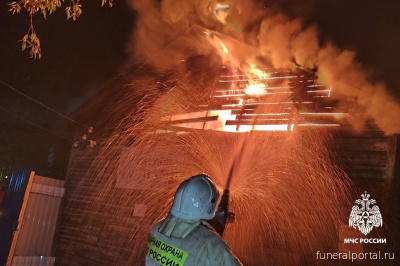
(175, 241)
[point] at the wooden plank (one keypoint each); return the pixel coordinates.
(254, 122)
(370, 175)
(362, 144)
(368, 131)
(226, 102)
(365, 168)
(364, 157)
(278, 121)
(238, 108)
(193, 120)
(264, 117)
(391, 157)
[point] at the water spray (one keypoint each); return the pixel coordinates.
(223, 215)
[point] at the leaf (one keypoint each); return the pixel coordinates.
(31, 41)
(14, 7)
(68, 11)
(44, 13)
(74, 7)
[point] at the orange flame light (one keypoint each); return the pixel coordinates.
(255, 89)
(239, 104)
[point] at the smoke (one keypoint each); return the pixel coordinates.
(340, 70)
(170, 31)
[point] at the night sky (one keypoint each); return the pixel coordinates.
(80, 57)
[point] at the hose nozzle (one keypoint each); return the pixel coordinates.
(223, 215)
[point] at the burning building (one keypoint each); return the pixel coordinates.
(257, 99)
(300, 164)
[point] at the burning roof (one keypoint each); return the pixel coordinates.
(264, 100)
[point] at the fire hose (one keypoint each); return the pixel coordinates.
(223, 215)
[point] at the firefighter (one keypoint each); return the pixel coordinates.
(184, 237)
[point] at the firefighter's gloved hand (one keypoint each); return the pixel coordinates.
(230, 218)
(220, 217)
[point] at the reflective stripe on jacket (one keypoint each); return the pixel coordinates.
(201, 246)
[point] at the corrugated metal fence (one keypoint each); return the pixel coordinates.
(10, 210)
(34, 223)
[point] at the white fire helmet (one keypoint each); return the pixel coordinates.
(195, 198)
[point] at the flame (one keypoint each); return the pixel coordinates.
(255, 89)
(224, 49)
(216, 42)
(246, 80)
(257, 72)
(221, 48)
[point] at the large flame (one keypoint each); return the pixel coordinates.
(249, 89)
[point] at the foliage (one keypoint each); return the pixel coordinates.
(45, 7)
